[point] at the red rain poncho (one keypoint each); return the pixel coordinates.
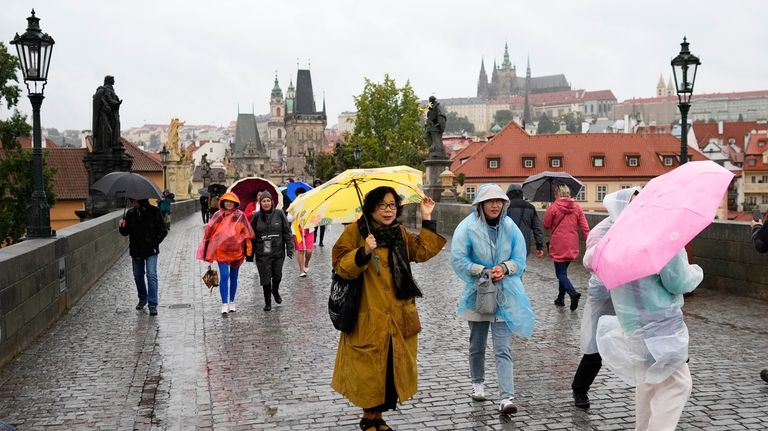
(225, 235)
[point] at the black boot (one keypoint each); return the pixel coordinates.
(267, 297)
(276, 293)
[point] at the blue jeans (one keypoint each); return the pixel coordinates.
(141, 267)
(502, 349)
(563, 283)
(227, 282)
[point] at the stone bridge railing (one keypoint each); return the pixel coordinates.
(41, 279)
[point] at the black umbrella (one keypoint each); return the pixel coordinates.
(541, 187)
(127, 185)
(204, 192)
(217, 189)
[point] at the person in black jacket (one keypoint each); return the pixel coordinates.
(272, 243)
(525, 217)
(760, 240)
(143, 225)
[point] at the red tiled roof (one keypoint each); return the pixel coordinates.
(466, 153)
(757, 145)
(599, 95)
(71, 179)
(142, 161)
(575, 149)
(26, 142)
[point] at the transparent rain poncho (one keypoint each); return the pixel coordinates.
(647, 340)
(472, 245)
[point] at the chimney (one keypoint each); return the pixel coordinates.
(720, 127)
(626, 123)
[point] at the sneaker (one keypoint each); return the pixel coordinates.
(478, 392)
(140, 305)
(575, 301)
(232, 307)
(507, 407)
(581, 400)
(267, 307)
(321, 244)
(224, 308)
(153, 311)
(303, 274)
(560, 302)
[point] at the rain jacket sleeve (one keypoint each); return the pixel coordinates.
(538, 234)
(598, 301)
(678, 276)
(287, 236)
(424, 245)
(471, 249)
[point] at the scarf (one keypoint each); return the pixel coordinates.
(391, 237)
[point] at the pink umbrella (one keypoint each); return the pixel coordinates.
(667, 214)
(248, 189)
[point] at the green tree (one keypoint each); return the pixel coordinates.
(503, 117)
(388, 127)
(16, 182)
(456, 124)
(572, 121)
(545, 125)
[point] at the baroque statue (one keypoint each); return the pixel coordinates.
(106, 117)
(436, 121)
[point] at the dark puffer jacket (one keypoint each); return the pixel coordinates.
(524, 215)
(272, 227)
(145, 230)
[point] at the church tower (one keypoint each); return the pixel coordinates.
(304, 127)
(661, 89)
(527, 108)
(482, 82)
(276, 127)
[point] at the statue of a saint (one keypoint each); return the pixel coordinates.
(205, 166)
(106, 117)
(436, 119)
(173, 139)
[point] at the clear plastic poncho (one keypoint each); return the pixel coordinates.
(647, 340)
(598, 301)
(471, 244)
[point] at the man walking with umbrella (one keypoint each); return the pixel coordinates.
(144, 226)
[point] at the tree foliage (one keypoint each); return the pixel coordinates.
(456, 124)
(545, 125)
(503, 117)
(16, 179)
(388, 128)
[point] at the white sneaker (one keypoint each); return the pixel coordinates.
(478, 392)
(232, 307)
(303, 274)
(224, 308)
(507, 406)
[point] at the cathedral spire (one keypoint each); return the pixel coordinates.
(482, 81)
(527, 108)
(506, 64)
(276, 91)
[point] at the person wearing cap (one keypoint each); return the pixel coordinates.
(273, 241)
(145, 229)
(488, 246)
(319, 229)
(227, 240)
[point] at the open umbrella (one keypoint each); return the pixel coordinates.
(248, 189)
(204, 192)
(339, 200)
(127, 185)
(541, 187)
(217, 189)
(667, 214)
(291, 189)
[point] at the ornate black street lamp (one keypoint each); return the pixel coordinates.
(34, 49)
(358, 154)
(164, 160)
(680, 69)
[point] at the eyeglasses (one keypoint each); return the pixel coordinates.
(496, 202)
(383, 205)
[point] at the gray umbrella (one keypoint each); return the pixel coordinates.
(541, 187)
(127, 185)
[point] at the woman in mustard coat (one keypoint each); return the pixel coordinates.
(376, 362)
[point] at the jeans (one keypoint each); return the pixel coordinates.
(563, 283)
(227, 282)
(148, 266)
(502, 349)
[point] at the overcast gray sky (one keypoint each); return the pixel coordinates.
(197, 60)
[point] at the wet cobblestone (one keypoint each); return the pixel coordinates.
(106, 366)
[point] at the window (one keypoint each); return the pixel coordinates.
(753, 179)
(764, 199)
(582, 195)
(765, 179)
(598, 161)
(470, 190)
(529, 162)
(278, 111)
(752, 200)
(602, 190)
(633, 161)
(667, 161)
(279, 133)
(493, 163)
(751, 162)
(555, 162)
(624, 186)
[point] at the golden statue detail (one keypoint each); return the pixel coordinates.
(175, 152)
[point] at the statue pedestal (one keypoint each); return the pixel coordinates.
(97, 165)
(179, 178)
(433, 187)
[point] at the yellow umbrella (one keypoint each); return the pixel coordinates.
(340, 200)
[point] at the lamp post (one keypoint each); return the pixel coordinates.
(680, 65)
(358, 154)
(164, 160)
(34, 49)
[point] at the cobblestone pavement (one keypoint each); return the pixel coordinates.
(106, 366)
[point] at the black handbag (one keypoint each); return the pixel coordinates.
(344, 302)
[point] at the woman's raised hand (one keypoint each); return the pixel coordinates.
(370, 244)
(427, 205)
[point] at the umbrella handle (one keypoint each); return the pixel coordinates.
(360, 199)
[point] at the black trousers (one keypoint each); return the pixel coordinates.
(322, 233)
(588, 368)
(390, 394)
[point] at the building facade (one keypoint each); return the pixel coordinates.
(249, 155)
(304, 126)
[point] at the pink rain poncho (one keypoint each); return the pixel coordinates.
(227, 235)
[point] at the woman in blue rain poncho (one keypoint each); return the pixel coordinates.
(598, 300)
(646, 343)
(488, 253)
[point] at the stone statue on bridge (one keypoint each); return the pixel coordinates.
(106, 117)
(436, 121)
